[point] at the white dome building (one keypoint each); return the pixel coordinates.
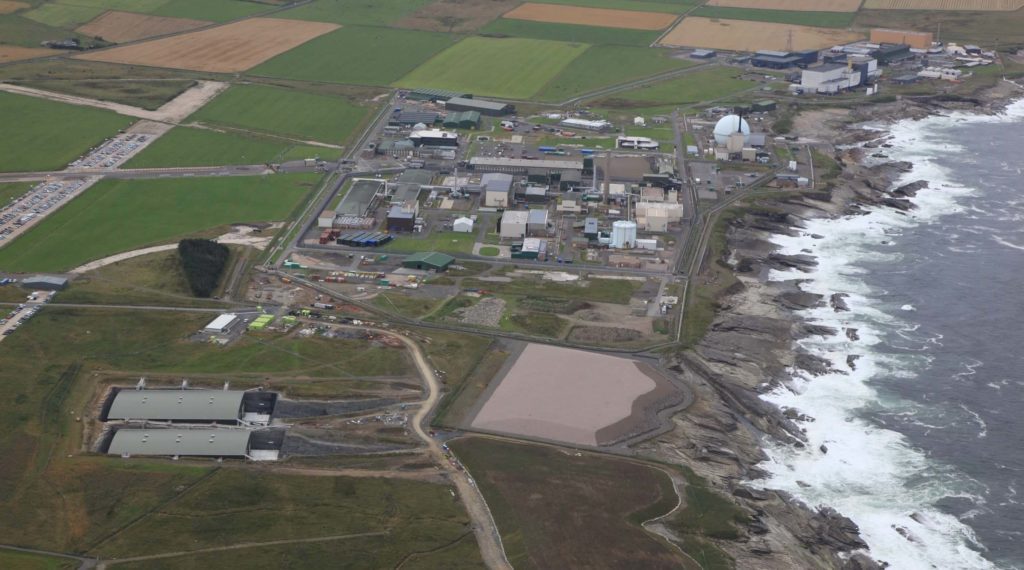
(730, 125)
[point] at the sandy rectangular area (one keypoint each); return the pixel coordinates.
(562, 14)
(15, 53)
(123, 27)
(224, 49)
(565, 395)
(794, 5)
(742, 35)
(966, 5)
(8, 6)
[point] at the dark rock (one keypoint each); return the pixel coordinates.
(851, 361)
(911, 189)
(803, 484)
(861, 561)
(815, 365)
(838, 302)
(901, 204)
(852, 334)
(837, 531)
(806, 330)
(823, 448)
(798, 300)
(751, 494)
(801, 262)
(760, 549)
(817, 236)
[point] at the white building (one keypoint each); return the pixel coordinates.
(326, 219)
(730, 125)
(514, 223)
(829, 78)
(599, 125)
(656, 216)
(222, 323)
(948, 74)
(463, 225)
(639, 122)
(637, 142)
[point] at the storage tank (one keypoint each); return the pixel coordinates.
(623, 234)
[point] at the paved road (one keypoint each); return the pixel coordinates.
(146, 307)
(139, 173)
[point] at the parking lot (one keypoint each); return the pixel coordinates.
(23, 312)
(116, 151)
(35, 204)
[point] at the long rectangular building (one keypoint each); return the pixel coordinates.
(521, 165)
(257, 445)
(190, 406)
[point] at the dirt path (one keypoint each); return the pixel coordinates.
(484, 527)
(241, 546)
(238, 237)
(174, 111)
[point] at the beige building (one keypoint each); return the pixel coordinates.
(656, 216)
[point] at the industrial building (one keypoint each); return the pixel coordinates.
(623, 234)
(262, 445)
(703, 53)
(731, 125)
(362, 197)
(222, 323)
(590, 230)
(537, 222)
(428, 261)
(482, 106)
(514, 223)
(462, 120)
(434, 137)
(530, 248)
(409, 118)
(520, 166)
(434, 95)
(599, 125)
(190, 406)
(656, 216)
(641, 143)
(784, 59)
(497, 189)
(326, 219)
(44, 283)
(829, 78)
(405, 206)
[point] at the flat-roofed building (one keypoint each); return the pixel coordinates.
(222, 323)
(497, 189)
(537, 222)
(482, 106)
(522, 166)
(513, 223)
(45, 282)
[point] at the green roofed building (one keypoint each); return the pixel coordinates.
(463, 120)
(428, 260)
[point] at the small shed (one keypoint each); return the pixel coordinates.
(463, 225)
(326, 219)
(428, 260)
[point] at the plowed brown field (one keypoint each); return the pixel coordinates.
(561, 14)
(742, 35)
(123, 27)
(14, 53)
(795, 5)
(966, 5)
(224, 49)
(8, 6)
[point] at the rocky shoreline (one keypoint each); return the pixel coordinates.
(752, 343)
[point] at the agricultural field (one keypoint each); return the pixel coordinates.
(976, 27)
(743, 35)
(18, 30)
(800, 18)
(285, 112)
(446, 242)
(122, 215)
(958, 5)
(561, 510)
(25, 561)
(186, 146)
(673, 6)
(17, 53)
(349, 12)
(123, 27)
(509, 67)
(214, 10)
(601, 66)
(603, 17)
(46, 135)
(63, 15)
(358, 55)
(798, 5)
(145, 94)
(569, 33)
(9, 6)
(231, 48)
(463, 17)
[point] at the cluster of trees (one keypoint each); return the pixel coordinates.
(204, 262)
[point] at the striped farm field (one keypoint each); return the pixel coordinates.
(226, 49)
(15, 53)
(123, 27)
(795, 5)
(744, 35)
(563, 14)
(950, 5)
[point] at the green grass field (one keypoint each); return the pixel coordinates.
(447, 242)
(285, 112)
(601, 66)
(16, 29)
(569, 33)
(560, 510)
(349, 12)
(509, 67)
(671, 6)
(14, 560)
(597, 289)
(356, 55)
(820, 19)
(185, 146)
(12, 190)
(45, 135)
(146, 94)
(122, 215)
(63, 15)
(690, 89)
(212, 10)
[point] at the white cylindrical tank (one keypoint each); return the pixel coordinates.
(623, 234)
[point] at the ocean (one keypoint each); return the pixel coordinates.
(924, 432)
